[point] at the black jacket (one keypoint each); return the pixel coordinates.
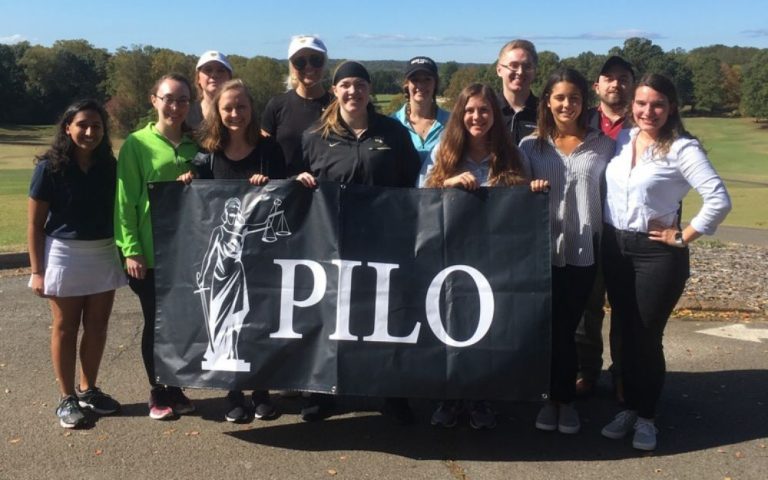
(521, 123)
(382, 156)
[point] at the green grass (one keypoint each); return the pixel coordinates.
(737, 147)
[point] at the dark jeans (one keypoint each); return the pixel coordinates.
(145, 290)
(589, 335)
(644, 280)
(571, 287)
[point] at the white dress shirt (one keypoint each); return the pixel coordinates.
(653, 189)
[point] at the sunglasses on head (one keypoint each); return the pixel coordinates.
(300, 63)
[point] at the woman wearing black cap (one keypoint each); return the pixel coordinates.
(287, 115)
(351, 143)
(422, 117)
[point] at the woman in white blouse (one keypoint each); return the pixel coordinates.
(645, 250)
(568, 157)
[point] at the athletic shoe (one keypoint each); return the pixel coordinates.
(159, 406)
(481, 415)
(319, 407)
(179, 402)
(69, 412)
(262, 405)
(237, 412)
(568, 419)
(97, 401)
(585, 387)
(621, 425)
(447, 413)
(645, 435)
(547, 418)
(399, 411)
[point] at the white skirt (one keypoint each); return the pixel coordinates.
(74, 268)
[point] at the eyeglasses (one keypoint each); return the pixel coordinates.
(300, 63)
(169, 100)
(519, 67)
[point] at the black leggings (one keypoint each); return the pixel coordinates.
(571, 287)
(644, 279)
(145, 290)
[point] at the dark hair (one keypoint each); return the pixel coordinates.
(407, 94)
(545, 124)
(59, 155)
(181, 79)
(506, 160)
(673, 128)
(213, 136)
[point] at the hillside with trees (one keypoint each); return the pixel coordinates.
(36, 82)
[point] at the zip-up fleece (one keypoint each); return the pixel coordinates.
(146, 156)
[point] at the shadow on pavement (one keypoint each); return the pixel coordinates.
(698, 411)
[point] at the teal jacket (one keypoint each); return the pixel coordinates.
(146, 156)
(424, 146)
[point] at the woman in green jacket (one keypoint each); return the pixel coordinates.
(161, 151)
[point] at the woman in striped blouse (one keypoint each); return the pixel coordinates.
(569, 158)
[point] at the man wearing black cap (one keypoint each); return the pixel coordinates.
(614, 90)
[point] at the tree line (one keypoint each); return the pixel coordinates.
(37, 82)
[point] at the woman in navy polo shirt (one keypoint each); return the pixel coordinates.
(72, 252)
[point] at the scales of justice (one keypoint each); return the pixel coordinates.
(222, 284)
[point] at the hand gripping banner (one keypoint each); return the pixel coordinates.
(350, 289)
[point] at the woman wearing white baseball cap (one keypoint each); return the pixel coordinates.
(287, 115)
(212, 71)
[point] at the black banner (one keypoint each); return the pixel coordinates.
(351, 289)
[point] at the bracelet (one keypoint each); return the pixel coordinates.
(37, 273)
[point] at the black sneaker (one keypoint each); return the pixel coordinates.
(319, 407)
(237, 413)
(180, 403)
(97, 401)
(399, 411)
(69, 412)
(262, 405)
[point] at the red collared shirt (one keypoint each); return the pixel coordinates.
(609, 127)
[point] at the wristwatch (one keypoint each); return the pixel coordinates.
(679, 242)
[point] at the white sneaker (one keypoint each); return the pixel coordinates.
(621, 425)
(568, 419)
(645, 435)
(547, 418)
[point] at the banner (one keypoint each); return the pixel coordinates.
(350, 289)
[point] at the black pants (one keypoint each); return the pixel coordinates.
(589, 335)
(571, 287)
(145, 290)
(644, 280)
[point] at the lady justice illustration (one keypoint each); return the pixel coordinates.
(222, 284)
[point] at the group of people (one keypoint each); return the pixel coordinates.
(615, 176)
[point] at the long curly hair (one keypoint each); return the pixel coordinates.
(673, 128)
(506, 165)
(213, 136)
(546, 127)
(60, 153)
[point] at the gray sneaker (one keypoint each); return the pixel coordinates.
(481, 415)
(568, 419)
(547, 418)
(645, 435)
(69, 412)
(446, 414)
(621, 425)
(97, 401)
